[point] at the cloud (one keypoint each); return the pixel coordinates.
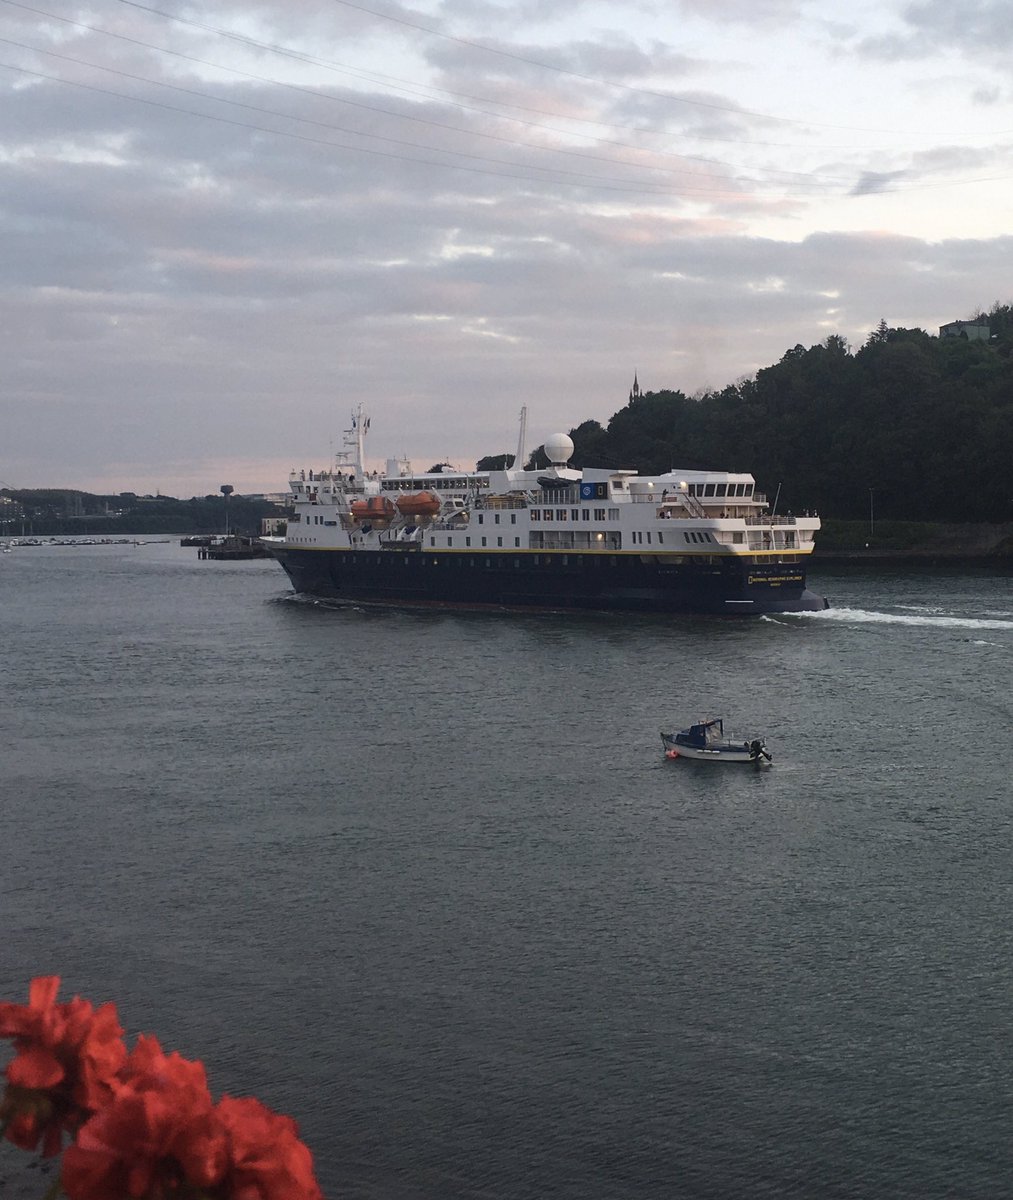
(973, 26)
(980, 29)
(871, 182)
(191, 284)
(754, 13)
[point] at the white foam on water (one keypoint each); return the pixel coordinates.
(859, 616)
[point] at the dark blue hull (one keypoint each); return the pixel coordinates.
(645, 583)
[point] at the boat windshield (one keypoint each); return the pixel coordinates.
(706, 733)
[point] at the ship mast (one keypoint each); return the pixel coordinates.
(355, 439)
(519, 460)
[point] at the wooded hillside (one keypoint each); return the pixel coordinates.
(924, 423)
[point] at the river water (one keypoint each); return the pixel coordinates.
(427, 883)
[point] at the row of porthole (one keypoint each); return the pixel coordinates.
(472, 560)
(527, 560)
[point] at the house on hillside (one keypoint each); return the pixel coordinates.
(970, 331)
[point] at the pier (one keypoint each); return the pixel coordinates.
(231, 548)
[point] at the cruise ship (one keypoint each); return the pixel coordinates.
(551, 539)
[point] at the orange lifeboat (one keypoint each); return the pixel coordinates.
(422, 504)
(376, 508)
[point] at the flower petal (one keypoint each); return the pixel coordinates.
(35, 1067)
(42, 991)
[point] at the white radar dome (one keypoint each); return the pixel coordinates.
(558, 448)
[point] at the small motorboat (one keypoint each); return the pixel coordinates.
(706, 740)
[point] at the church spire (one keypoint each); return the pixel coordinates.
(635, 392)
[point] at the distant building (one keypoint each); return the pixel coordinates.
(970, 331)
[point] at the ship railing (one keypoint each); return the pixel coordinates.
(772, 519)
(719, 512)
(774, 541)
(502, 502)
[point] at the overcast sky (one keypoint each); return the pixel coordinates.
(225, 225)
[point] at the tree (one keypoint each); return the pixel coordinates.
(879, 334)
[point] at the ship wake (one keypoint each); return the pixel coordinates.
(862, 616)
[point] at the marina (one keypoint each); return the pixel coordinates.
(29, 543)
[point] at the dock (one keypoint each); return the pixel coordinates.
(231, 548)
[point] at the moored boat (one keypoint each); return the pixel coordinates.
(706, 741)
(556, 538)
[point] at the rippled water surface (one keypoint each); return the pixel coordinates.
(427, 883)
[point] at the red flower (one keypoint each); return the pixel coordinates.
(267, 1161)
(65, 1066)
(144, 1126)
(158, 1137)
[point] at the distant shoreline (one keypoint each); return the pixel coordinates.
(908, 558)
(913, 542)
